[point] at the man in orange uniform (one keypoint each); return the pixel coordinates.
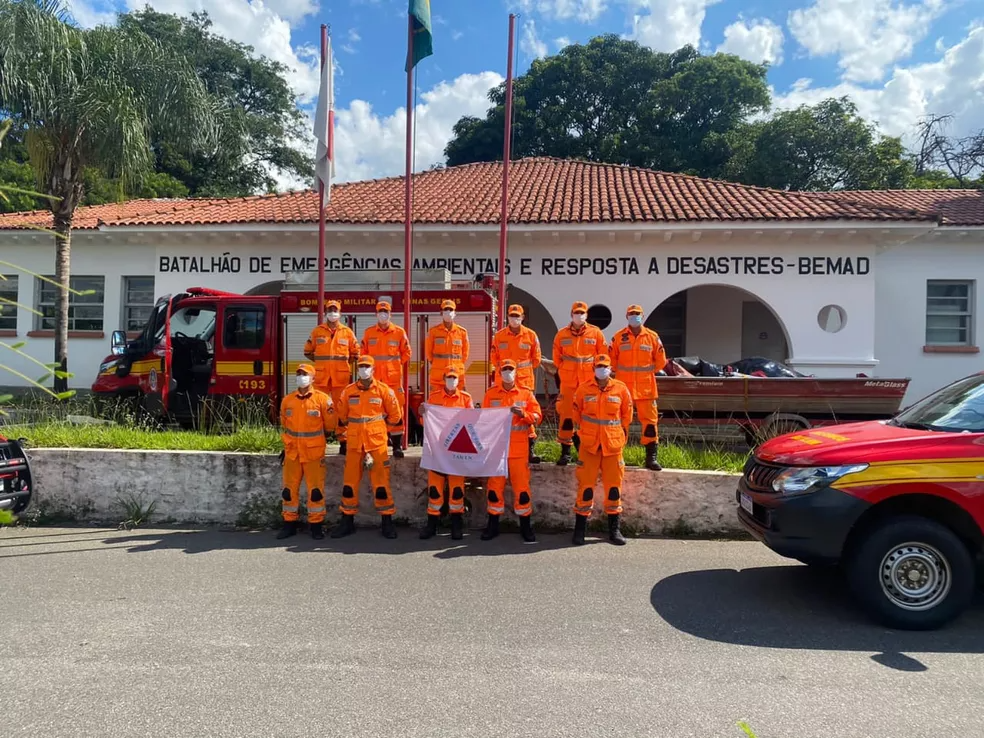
(446, 348)
(306, 416)
(522, 345)
(449, 396)
(333, 347)
(527, 414)
(388, 345)
(574, 349)
(603, 412)
(637, 354)
(367, 407)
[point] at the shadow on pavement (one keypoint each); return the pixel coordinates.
(799, 607)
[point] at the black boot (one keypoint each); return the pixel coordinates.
(388, 529)
(614, 534)
(289, 529)
(317, 531)
(397, 447)
(457, 526)
(651, 462)
(565, 455)
(534, 459)
(342, 448)
(491, 528)
(526, 529)
(429, 530)
(345, 528)
(577, 442)
(580, 526)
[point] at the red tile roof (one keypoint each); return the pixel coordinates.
(542, 190)
(956, 207)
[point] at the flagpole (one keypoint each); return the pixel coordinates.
(506, 153)
(408, 225)
(321, 204)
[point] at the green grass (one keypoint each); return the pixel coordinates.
(266, 439)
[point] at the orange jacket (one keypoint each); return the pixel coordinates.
(305, 419)
(574, 352)
(521, 397)
(636, 359)
(523, 347)
(391, 350)
(366, 412)
(602, 416)
(442, 398)
(333, 352)
(446, 347)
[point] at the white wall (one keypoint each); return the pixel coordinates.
(901, 318)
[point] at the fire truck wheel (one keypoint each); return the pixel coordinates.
(912, 573)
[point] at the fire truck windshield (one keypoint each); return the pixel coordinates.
(193, 321)
(957, 408)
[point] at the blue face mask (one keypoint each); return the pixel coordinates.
(635, 320)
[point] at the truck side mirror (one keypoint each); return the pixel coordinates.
(118, 342)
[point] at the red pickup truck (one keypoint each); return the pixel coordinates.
(897, 504)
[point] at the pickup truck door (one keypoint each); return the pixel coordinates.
(246, 347)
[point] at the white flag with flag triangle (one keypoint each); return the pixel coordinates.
(324, 127)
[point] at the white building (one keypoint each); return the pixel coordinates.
(834, 284)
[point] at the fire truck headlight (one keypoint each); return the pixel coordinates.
(805, 479)
(107, 365)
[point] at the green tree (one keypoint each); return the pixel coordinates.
(613, 100)
(91, 98)
(827, 146)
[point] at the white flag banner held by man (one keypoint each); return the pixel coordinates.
(468, 442)
(324, 128)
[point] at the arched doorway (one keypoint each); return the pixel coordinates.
(721, 324)
(539, 320)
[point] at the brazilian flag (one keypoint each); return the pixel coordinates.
(420, 18)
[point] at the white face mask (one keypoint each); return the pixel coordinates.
(635, 320)
(451, 383)
(515, 322)
(332, 316)
(509, 376)
(303, 381)
(383, 318)
(579, 318)
(365, 372)
(603, 372)
(449, 315)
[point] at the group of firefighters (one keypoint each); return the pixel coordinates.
(601, 388)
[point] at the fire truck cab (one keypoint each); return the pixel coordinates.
(203, 351)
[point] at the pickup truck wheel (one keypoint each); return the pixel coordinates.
(912, 573)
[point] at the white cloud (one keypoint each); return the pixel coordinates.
(562, 42)
(759, 42)
(586, 11)
(88, 15)
(867, 35)
(666, 25)
(530, 44)
(354, 37)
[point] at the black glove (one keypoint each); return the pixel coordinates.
(281, 457)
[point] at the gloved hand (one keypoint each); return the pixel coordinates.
(518, 411)
(283, 454)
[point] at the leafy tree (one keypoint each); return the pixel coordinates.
(827, 146)
(614, 100)
(91, 98)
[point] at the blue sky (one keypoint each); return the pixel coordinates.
(898, 59)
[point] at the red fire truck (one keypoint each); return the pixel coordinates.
(204, 350)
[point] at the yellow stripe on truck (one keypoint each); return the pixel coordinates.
(899, 472)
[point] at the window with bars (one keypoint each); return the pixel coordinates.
(8, 299)
(85, 312)
(949, 313)
(138, 302)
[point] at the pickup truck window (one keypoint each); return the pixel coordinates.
(956, 408)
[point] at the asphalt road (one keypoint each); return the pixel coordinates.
(170, 633)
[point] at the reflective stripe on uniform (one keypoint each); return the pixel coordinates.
(597, 421)
(580, 359)
(370, 419)
(387, 358)
(448, 356)
(524, 365)
(304, 434)
(621, 368)
(331, 358)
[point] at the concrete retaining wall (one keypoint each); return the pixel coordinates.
(201, 488)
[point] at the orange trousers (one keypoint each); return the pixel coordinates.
(313, 474)
(379, 482)
(336, 395)
(612, 471)
(519, 480)
(648, 415)
(435, 493)
(565, 415)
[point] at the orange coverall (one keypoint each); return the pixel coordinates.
(366, 412)
(435, 480)
(519, 463)
(574, 351)
(446, 348)
(391, 349)
(523, 347)
(635, 361)
(305, 419)
(333, 350)
(603, 417)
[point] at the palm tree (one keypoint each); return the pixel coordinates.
(92, 97)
